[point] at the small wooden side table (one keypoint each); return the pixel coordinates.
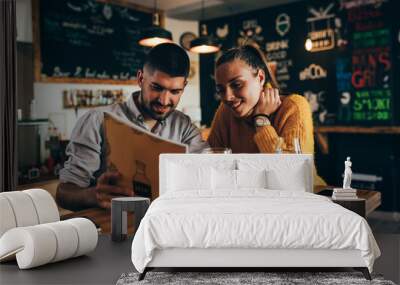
(119, 208)
(355, 205)
(366, 203)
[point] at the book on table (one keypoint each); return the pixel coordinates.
(134, 152)
(341, 190)
(344, 195)
(344, 198)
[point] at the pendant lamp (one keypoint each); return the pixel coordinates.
(204, 43)
(155, 35)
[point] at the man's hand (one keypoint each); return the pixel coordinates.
(106, 189)
(268, 103)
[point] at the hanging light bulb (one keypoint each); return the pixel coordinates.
(308, 45)
(204, 43)
(155, 35)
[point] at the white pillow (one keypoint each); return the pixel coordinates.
(184, 177)
(282, 172)
(235, 179)
(224, 179)
(294, 179)
(251, 178)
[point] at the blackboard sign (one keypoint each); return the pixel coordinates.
(347, 75)
(315, 68)
(89, 41)
(365, 67)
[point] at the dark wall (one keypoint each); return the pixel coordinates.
(376, 155)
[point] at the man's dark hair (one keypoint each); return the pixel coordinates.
(168, 58)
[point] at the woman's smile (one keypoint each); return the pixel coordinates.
(235, 105)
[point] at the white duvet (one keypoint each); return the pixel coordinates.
(252, 218)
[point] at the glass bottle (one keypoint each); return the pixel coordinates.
(141, 184)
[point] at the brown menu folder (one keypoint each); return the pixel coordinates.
(134, 152)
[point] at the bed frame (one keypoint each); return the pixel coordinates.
(246, 259)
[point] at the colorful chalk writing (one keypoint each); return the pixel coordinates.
(320, 33)
(373, 38)
(317, 99)
(251, 31)
(313, 71)
(348, 76)
(369, 96)
(344, 88)
(372, 105)
(343, 74)
(277, 51)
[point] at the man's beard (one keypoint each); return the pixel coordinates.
(151, 110)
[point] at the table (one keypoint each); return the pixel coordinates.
(355, 205)
(102, 266)
(121, 208)
(368, 201)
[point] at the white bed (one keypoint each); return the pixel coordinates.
(247, 210)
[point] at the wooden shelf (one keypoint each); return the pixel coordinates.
(395, 130)
(35, 122)
(322, 132)
(373, 199)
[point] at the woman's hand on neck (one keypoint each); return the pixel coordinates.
(268, 103)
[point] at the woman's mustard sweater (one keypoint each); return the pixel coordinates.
(293, 119)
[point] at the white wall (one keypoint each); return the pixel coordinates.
(192, 91)
(49, 102)
(48, 96)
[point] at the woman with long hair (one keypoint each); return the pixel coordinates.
(254, 117)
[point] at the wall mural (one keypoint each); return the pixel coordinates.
(277, 53)
(282, 24)
(313, 71)
(347, 75)
(251, 32)
(321, 33)
(317, 103)
(370, 93)
(343, 85)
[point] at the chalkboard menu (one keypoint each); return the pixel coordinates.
(89, 41)
(347, 74)
(365, 67)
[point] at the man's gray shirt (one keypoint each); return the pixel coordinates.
(86, 151)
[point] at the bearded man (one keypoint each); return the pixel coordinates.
(84, 180)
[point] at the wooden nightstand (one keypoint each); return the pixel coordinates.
(355, 205)
(366, 203)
